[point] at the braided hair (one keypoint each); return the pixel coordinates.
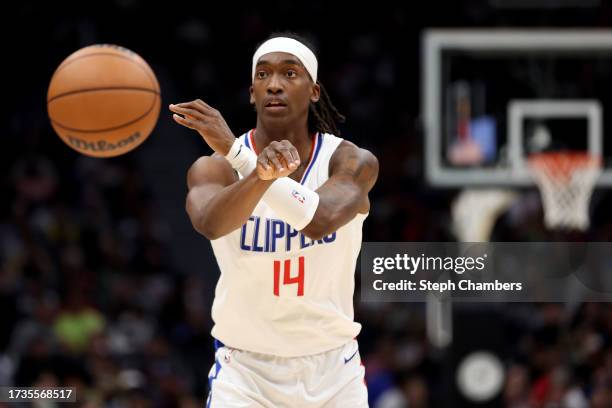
(323, 116)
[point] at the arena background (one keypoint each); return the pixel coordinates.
(104, 284)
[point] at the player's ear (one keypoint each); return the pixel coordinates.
(316, 93)
(251, 97)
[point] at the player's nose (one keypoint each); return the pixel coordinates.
(275, 86)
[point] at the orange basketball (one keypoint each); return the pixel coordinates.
(103, 100)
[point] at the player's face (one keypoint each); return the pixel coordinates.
(282, 88)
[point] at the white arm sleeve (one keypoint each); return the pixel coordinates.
(293, 202)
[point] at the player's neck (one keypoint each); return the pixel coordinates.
(297, 136)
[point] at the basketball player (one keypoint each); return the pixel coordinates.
(283, 206)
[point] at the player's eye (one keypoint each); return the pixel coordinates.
(291, 73)
(261, 74)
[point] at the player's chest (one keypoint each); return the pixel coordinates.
(264, 232)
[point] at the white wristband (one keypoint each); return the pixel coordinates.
(241, 158)
(292, 202)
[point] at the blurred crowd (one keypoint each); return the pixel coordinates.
(92, 293)
(554, 355)
(89, 295)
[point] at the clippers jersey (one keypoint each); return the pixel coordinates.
(280, 292)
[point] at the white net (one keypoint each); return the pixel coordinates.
(566, 181)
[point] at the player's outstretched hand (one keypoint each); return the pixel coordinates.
(208, 122)
(278, 159)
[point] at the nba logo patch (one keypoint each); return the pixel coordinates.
(296, 194)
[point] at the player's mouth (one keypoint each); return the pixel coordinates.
(275, 105)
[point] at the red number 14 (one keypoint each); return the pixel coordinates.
(287, 279)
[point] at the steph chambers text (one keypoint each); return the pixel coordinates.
(446, 286)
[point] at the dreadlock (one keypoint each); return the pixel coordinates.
(323, 115)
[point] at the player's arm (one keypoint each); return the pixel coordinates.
(217, 202)
(353, 172)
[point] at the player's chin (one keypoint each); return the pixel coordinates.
(275, 111)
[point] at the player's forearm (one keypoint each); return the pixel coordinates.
(345, 193)
(332, 213)
(230, 208)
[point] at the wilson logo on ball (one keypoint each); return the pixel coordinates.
(101, 145)
(99, 95)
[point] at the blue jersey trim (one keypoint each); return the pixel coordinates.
(246, 140)
(211, 378)
(314, 157)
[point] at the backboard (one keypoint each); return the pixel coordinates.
(492, 97)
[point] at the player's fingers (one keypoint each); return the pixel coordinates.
(192, 113)
(273, 160)
(206, 108)
(289, 151)
(184, 121)
(295, 156)
(268, 170)
(195, 106)
(287, 158)
(204, 105)
(190, 105)
(262, 162)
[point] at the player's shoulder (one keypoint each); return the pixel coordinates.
(348, 151)
(210, 169)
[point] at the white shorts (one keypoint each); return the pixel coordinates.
(245, 379)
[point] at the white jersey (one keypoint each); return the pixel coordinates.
(280, 292)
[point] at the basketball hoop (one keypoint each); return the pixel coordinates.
(566, 180)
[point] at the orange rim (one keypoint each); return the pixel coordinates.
(560, 165)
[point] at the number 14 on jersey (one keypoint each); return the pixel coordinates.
(287, 279)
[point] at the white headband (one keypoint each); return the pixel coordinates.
(290, 46)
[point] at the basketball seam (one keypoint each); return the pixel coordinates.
(137, 63)
(111, 128)
(104, 88)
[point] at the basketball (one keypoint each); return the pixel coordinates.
(103, 100)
